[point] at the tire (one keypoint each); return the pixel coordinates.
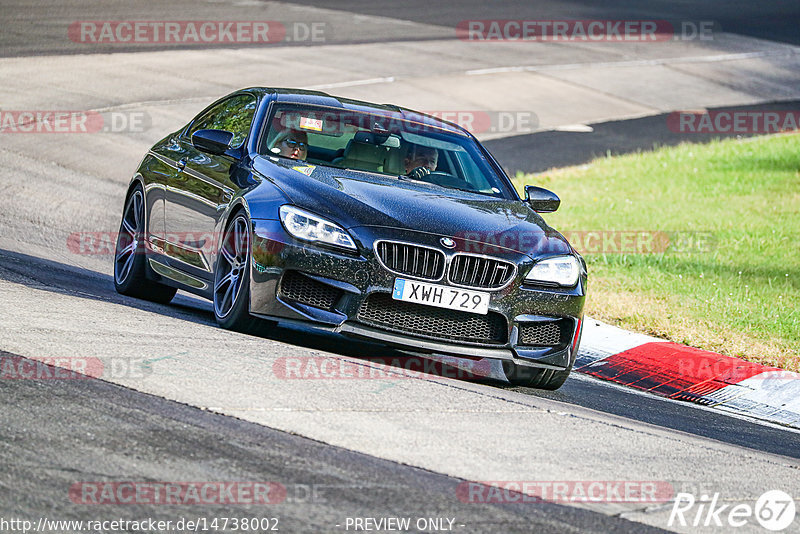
(232, 277)
(534, 377)
(130, 260)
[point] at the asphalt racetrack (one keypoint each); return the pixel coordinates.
(184, 401)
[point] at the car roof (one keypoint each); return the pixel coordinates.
(318, 98)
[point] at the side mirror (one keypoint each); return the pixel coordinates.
(541, 200)
(212, 141)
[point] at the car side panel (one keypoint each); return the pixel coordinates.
(196, 199)
(154, 174)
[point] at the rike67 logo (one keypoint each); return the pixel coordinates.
(774, 510)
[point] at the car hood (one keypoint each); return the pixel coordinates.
(355, 199)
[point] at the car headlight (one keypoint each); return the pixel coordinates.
(309, 227)
(560, 270)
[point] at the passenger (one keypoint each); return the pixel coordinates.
(291, 144)
(421, 161)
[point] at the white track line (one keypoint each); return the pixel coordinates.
(352, 83)
(636, 62)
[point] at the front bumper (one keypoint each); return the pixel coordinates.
(331, 289)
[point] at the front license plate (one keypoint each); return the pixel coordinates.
(441, 296)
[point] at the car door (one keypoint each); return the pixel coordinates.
(199, 192)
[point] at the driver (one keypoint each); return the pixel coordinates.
(291, 144)
(421, 161)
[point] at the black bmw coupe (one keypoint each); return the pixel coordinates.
(368, 220)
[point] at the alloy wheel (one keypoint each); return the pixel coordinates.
(129, 238)
(233, 260)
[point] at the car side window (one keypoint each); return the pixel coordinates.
(233, 115)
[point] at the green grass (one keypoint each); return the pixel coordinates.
(738, 290)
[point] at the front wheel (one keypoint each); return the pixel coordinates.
(232, 277)
(130, 261)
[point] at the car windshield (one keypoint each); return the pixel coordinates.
(406, 145)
